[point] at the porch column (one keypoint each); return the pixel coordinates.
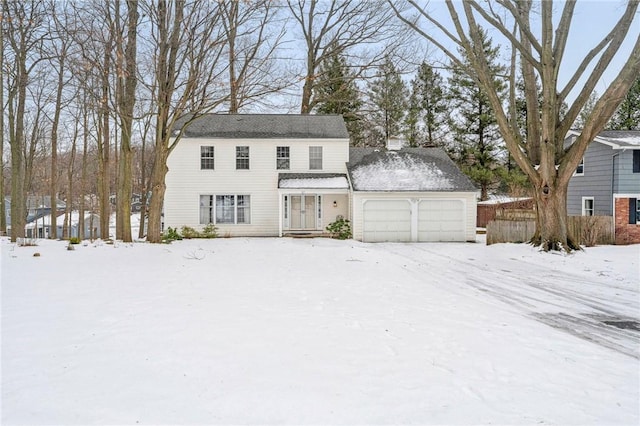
(279, 214)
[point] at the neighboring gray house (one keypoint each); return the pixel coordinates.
(607, 181)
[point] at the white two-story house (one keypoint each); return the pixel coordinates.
(259, 175)
(272, 175)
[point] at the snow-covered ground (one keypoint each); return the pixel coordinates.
(318, 331)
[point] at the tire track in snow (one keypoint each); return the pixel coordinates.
(581, 314)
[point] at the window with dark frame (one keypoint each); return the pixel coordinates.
(207, 158)
(282, 158)
(636, 161)
(242, 158)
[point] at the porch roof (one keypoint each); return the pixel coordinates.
(313, 181)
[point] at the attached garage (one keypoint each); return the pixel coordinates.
(412, 195)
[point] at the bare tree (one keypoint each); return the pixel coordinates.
(22, 24)
(126, 81)
(339, 27)
(187, 51)
(543, 156)
(252, 36)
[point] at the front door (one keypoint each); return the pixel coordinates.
(303, 211)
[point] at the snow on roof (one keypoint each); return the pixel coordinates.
(618, 139)
(500, 199)
(313, 181)
(416, 169)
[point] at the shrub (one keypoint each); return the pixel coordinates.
(170, 235)
(209, 231)
(340, 229)
(188, 232)
(74, 240)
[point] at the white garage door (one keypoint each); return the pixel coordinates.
(441, 220)
(386, 220)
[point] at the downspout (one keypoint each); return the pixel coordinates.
(613, 190)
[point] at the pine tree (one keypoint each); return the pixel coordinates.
(336, 92)
(477, 142)
(627, 116)
(388, 99)
(426, 116)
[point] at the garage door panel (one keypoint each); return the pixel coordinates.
(387, 220)
(441, 220)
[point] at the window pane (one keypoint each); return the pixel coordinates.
(315, 158)
(225, 209)
(207, 158)
(206, 209)
(580, 168)
(282, 158)
(244, 211)
(242, 157)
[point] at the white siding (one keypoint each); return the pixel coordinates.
(186, 181)
(468, 200)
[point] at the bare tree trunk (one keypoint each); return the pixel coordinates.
(3, 213)
(126, 91)
(103, 137)
(53, 188)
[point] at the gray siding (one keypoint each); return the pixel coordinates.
(626, 182)
(597, 182)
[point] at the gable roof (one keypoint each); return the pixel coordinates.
(267, 126)
(617, 139)
(409, 169)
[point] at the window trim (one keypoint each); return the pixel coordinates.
(315, 150)
(211, 158)
(213, 207)
(593, 206)
(577, 173)
(240, 158)
(279, 158)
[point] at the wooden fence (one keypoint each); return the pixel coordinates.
(590, 230)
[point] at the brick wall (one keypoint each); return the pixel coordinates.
(626, 233)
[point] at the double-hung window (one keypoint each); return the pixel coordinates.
(207, 158)
(636, 161)
(580, 168)
(225, 209)
(282, 158)
(242, 158)
(315, 158)
(634, 211)
(587, 206)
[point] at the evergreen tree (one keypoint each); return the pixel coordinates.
(426, 117)
(586, 110)
(478, 146)
(388, 101)
(627, 116)
(336, 92)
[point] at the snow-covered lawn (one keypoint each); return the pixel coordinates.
(317, 331)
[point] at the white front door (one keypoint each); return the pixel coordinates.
(303, 211)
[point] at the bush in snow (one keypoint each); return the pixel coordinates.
(340, 229)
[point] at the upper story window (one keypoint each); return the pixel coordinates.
(207, 158)
(283, 158)
(636, 161)
(242, 158)
(315, 158)
(580, 168)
